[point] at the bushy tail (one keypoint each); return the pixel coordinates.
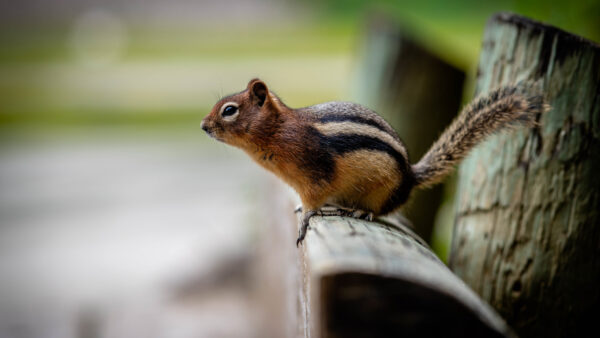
(503, 108)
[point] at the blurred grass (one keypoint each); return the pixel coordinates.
(165, 77)
(170, 74)
(174, 118)
(31, 45)
(454, 29)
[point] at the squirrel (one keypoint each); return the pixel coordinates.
(345, 155)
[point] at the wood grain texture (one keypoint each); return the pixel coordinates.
(527, 231)
(364, 279)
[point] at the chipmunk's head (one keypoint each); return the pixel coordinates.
(237, 117)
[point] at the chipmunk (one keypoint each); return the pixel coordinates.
(345, 155)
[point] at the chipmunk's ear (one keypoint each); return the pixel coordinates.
(258, 91)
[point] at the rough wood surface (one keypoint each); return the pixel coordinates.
(364, 279)
(527, 232)
(417, 92)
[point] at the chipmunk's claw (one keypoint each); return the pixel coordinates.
(304, 226)
(301, 233)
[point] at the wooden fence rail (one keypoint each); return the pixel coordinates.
(369, 279)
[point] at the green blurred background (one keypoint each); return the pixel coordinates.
(81, 63)
(108, 186)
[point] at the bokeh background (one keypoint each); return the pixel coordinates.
(118, 216)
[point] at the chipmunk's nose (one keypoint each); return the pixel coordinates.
(204, 126)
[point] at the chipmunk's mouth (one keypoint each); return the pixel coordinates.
(214, 136)
(210, 131)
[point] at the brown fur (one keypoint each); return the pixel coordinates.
(354, 189)
(276, 138)
(273, 136)
(305, 147)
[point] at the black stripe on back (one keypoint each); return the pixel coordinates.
(320, 161)
(355, 119)
(344, 143)
(341, 144)
(317, 162)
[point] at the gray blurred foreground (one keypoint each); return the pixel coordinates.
(116, 234)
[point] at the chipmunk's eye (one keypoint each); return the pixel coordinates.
(229, 110)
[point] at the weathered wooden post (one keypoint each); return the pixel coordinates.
(416, 91)
(527, 232)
